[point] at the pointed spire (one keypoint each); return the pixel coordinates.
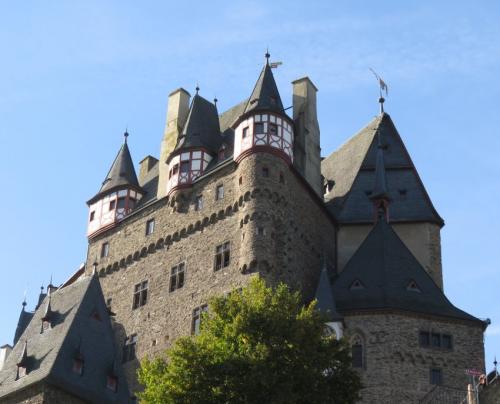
(121, 174)
(23, 322)
(324, 295)
(265, 95)
(380, 195)
(48, 314)
(202, 126)
(267, 55)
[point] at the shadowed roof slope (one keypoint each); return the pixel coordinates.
(265, 95)
(352, 168)
(80, 324)
(324, 296)
(383, 274)
(121, 174)
(24, 319)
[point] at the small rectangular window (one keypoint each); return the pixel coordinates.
(222, 256)
(436, 377)
(112, 383)
(92, 215)
(436, 340)
(105, 250)
(129, 348)
(220, 192)
(112, 204)
(198, 203)
(265, 172)
(357, 356)
(150, 227)
(77, 366)
(260, 231)
(424, 338)
(197, 317)
(140, 294)
(177, 275)
(259, 128)
(245, 132)
(446, 341)
(184, 166)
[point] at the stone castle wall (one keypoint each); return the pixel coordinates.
(263, 217)
(40, 394)
(422, 239)
(397, 368)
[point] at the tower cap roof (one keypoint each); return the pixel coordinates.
(265, 95)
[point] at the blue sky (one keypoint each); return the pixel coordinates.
(73, 75)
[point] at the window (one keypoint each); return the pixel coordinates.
(109, 300)
(121, 203)
(184, 166)
(112, 383)
(424, 338)
(260, 231)
(436, 340)
(273, 129)
(175, 169)
(265, 172)
(259, 128)
(112, 204)
(356, 285)
(197, 317)
(357, 352)
(45, 325)
(436, 376)
(446, 341)
(105, 250)
(282, 178)
(131, 203)
(140, 294)
(150, 227)
(245, 132)
(413, 287)
(129, 348)
(222, 255)
(240, 181)
(92, 215)
(177, 276)
(220, 192)
(198, 203)
(21, 371)
(222, 152)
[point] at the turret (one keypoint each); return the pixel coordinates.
(264, 125)
(196, 146)
(24, 319)
(119, 194)
(326, 304)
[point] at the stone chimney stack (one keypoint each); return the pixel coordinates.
(177, 111)
(146, 164)
(307, 151)
(5, 351)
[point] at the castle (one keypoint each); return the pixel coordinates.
(240, 194)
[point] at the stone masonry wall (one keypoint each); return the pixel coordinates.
(397, 368)
(281, 250)
(41, 394)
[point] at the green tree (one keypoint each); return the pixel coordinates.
(258, 346)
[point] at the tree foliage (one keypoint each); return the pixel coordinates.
(258, 346)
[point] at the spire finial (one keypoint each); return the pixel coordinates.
(382, 86)
(125, 135)
(215, 101)
(495, 363)
(267, 55)
(197, 88)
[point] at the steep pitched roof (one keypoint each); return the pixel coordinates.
(324, 296)
(202, 126)
(227, 118)
(50, 354)
(121, 174)
(24, 319)
(384, 274)
(265, 95)
(352, 168)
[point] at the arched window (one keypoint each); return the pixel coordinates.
(357, 352)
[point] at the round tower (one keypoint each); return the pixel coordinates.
(119, 194)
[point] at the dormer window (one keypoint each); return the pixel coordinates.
(21, 371)
(356, 285)
(413, 287)
(78, 365)
(46, 325)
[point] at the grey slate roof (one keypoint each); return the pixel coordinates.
(324, 296)
(380, 188)
(265, 95)
(352, 168)
(202, 126)
(227, 118)
(385, 267)
(121, 174)
(50, 354)
(24, 319)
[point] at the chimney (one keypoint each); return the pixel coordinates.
(146, 164)
(5, 351)
(307, 151)
(177, 111)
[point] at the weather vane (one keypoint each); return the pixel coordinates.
(382, 87)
